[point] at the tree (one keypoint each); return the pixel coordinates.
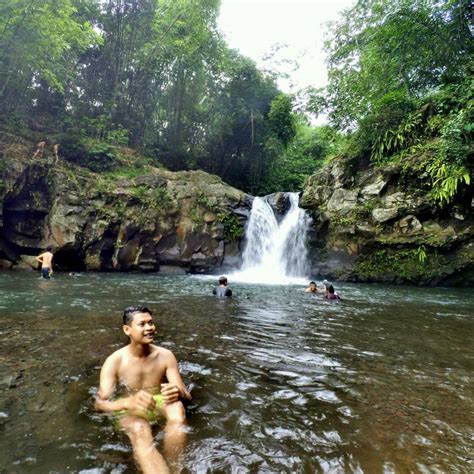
(382, 47)
(40, 43)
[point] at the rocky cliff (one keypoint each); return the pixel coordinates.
(127, 219)
(382, 224)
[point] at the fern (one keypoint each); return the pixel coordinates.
(406, 134)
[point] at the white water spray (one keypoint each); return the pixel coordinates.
(275, 253)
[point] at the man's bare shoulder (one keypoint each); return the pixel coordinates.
(116, 356)
(162, 352)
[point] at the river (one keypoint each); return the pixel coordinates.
(381, 381)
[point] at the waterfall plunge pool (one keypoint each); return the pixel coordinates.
(381, 381)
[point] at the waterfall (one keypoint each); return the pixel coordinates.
(275, 252)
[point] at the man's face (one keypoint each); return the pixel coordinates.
(313, 286)
(141, 329)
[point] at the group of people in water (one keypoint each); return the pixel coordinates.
(223, 291)
(328, 290)
(154, 388)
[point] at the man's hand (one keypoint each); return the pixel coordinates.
(171, 393)
(140, 402)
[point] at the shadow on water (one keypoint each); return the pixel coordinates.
(284, 381)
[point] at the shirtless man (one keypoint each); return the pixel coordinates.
(39, 149)
(142, 367)
(46, 260)
(312, 288)
(222, 290)
(56, 152)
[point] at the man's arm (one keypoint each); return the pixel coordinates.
(108, 380)
(39, 258)
(175, 387)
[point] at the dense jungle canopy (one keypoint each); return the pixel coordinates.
(157, 76)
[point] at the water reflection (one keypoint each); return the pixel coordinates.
(381, 381)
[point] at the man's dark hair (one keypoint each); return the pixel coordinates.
(312, 283)
(49, 248)
(330, 289)
(129, 312)
(222, 280)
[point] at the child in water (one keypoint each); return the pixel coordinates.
(142, 367)
(331, 294)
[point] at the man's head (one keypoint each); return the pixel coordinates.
(331, 289)
(49, 248)
(223, 280)
(131, 311)
(312, 284)
(138, 324)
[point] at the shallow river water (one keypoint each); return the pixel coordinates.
(382, 381)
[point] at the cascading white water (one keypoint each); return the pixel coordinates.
(275, 253)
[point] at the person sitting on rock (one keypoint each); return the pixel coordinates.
(222, 290)
(331, 294)
(312, 288)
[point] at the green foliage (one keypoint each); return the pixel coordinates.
(383, 47)
(233, 229)
(39, 47)
(281, 118)
(152, 197)
(203, 200)
(449, 169)
(408, 265)
(153, 75)
(140, 191)
(393, 140)
(101, 157)
(355, 216)
(420, 253)
(118, 137)
(447, 180)
(301, 158)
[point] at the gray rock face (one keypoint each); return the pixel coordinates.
(384, 215)
(409, 225)
(375, 224)
(376, 187)
(279, 202)
(343, 200)
(131, 224)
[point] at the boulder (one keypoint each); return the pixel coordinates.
(409, 225)
(376, 187)
(383, 215)
(343, 200)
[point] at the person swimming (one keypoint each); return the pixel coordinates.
(222, 291)
(312, 288)
(331, 294)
